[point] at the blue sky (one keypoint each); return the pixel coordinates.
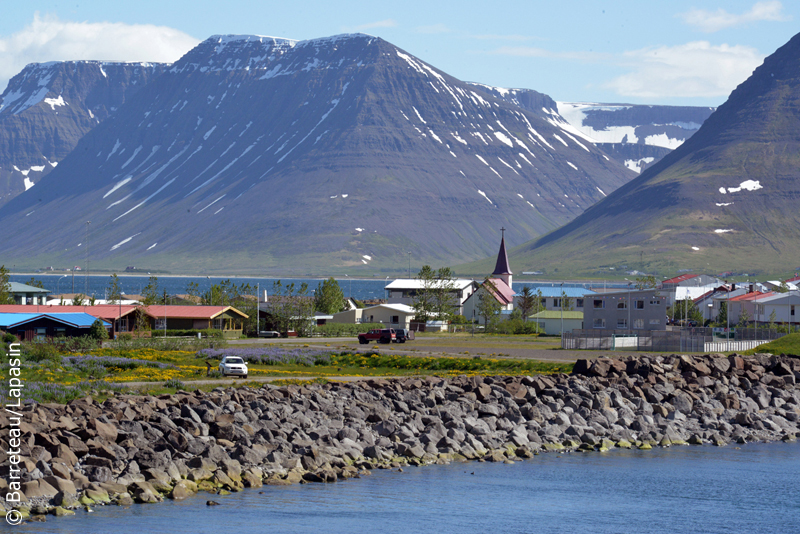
(678, 52)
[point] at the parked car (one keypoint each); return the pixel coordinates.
(403, 335)
(382, 335)
(269, 333)
(233, 366)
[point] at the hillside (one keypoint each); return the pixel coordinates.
(48, 107)
(340, 154)
(725, 200)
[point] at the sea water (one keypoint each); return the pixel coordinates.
(753, 488)
(97, 285)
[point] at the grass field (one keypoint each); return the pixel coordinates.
(789, 344)
(61, 377)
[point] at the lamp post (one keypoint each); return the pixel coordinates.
(562, 313)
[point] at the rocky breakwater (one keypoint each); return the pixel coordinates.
(144, 449)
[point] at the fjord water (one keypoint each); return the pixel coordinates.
(745, 489)
(132, 285)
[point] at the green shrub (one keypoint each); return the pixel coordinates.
(8, 337)
(40, 351)
(98, 330)
(211, 333)
(174, 383)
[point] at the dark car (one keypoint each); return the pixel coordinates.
(403, 335)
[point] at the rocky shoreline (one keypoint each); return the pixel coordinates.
(143, 449)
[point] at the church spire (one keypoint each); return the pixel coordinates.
(501, 269)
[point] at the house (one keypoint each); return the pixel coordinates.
(636, 309)
(30, 326)
(225, 318)
(122, 318)
(390, 315)
(687, 286)
(786, 307)
(498, 285)
(553, 323)
(404, 291)
(552, 295)
(25, 294)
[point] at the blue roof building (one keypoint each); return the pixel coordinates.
(39, 326)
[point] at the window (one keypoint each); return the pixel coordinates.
(655, 302)
(792, 312)
(40, 334)
(598, 304)
(599, 323)
(60, 332)
(622, 305)
(639, 305)
(638, 324)
(395, 319)
(217, 324)
(123, 324)
(579, 303)
(160, 324)
(622, 323)
(655, 321)
(556, 303)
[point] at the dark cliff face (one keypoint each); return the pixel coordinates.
(344, 152)
(47, 108)
(726, 199)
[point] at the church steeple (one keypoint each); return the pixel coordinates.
(501, 269)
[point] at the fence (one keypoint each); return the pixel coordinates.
(685, 340)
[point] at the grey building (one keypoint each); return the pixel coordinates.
(25, 294)
(638, 309)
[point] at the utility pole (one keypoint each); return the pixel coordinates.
(86, 277)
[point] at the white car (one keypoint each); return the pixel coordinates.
(233, 366)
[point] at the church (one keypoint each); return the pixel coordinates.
(497, 285)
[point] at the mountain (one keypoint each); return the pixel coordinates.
(637, 136)
(340, 154)
(725, 200)
(48, 107)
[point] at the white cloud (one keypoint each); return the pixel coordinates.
(48, 38)
(433, 29)
(387, 23)
(696, 69)
(712, 21)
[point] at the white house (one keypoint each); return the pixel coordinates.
(404, 290)
(785, 305)
(390, 315)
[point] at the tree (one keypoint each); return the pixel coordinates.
(772, 317)
(744, 318)
(150, 293)
(722, 316)
(488, 305)
(646, 282)
(79, 300)
(5, 288)
(783, 288)
(444, 298)
(98, 330)
(290, 308)
(329, 297)
(423, 299)
(435, 299)
(527, 302)
(192, 289)
(566, 302)
(114, 289)
(33, 282)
